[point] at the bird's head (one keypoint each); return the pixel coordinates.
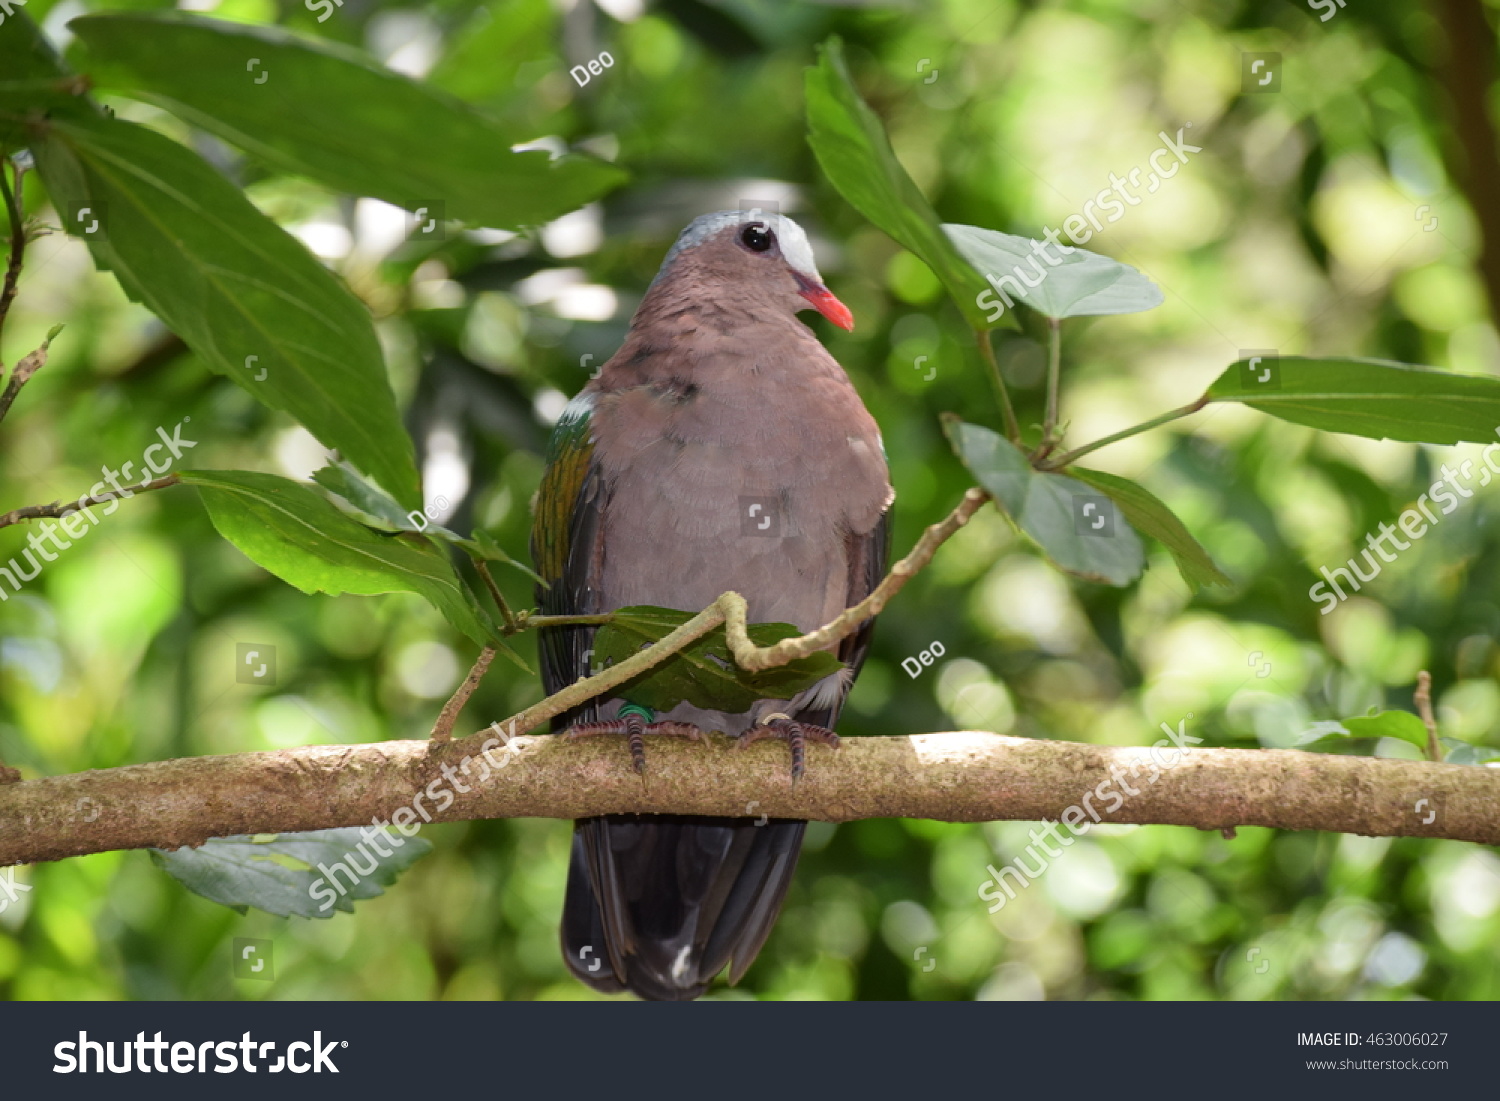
(759, 255)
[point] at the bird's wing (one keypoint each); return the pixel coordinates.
(869, 556)
(566, 549)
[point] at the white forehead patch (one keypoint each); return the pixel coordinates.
(789, 236)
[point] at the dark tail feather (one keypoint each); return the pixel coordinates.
(658, 904)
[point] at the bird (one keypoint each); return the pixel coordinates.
(721, 448)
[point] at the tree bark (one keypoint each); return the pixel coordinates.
(959, 776)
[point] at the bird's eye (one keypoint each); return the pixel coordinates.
(757, 238)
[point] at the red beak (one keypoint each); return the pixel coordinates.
(824, 302)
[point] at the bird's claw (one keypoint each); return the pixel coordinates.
(635, 728)
(795, 734)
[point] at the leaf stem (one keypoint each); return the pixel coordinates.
(1054, 372)
(1135, 430)
(986, 349)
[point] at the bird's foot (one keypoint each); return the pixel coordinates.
(795, 734)
(632, 723)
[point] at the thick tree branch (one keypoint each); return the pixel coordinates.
(960, 776)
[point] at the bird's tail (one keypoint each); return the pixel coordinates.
(659, 904)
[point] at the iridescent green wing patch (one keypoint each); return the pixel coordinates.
(569, 457)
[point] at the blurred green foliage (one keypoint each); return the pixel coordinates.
(1322, 219)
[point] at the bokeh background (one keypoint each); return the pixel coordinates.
(1343, 213)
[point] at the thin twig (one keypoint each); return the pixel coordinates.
(57, 509)
(987, 350)
(511, 626)
(442, 730)
(756, 658)
(586, 688)
(1423, 698)
(30, 364)
(527, 620)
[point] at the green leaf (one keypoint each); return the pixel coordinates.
(1150, 516)
(318, 109)
(1366, 397)
(1462, 753)
(704, 674)
(483, 545)
(33, 82)
(1321, 731)
(28, 55)
(483, 57)
(280, 874)
(1081, 531)
(1081, 283)
(371, 505)
(301, 537)
(489, 549)
(856, 156)
(1402, 725)
(246, 296)
(1388, 724)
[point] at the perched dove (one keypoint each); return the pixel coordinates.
(721, 448)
